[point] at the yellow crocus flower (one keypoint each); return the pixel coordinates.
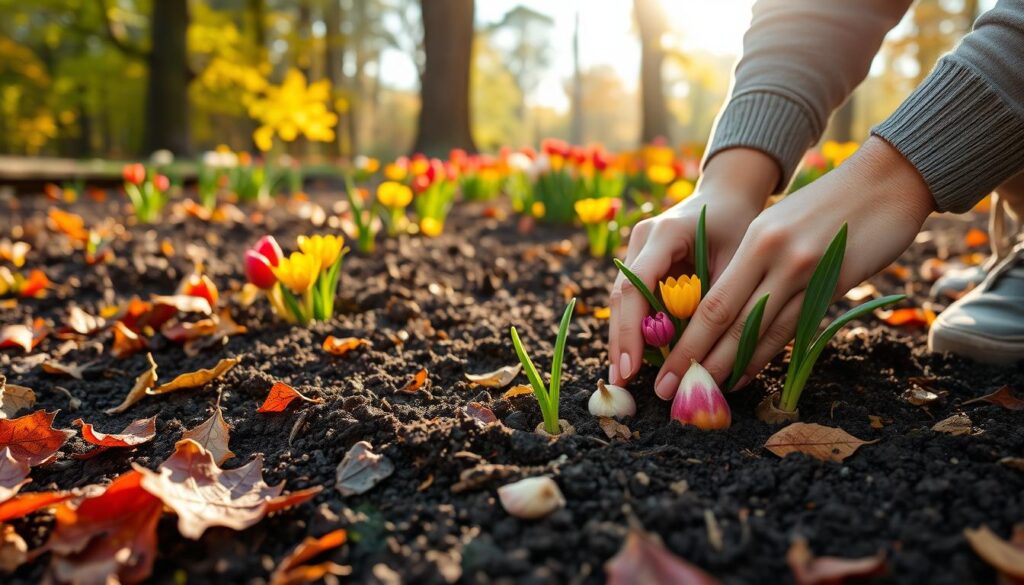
(593, 210)
(538, 209)
(431, 227)
(681, 295)
(679, 190)
(395, 172)
(325, 248)
(298, 272)
(394, 195)
(660, 174)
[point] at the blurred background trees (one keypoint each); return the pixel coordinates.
(328, 78)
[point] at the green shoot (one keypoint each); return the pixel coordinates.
(366, 230)
(806, 347)
(640, 286)
(547, 396)
(700, 257)
(748, 342)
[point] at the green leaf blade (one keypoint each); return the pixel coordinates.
(640, 286)
(748, 341)
(700, 258)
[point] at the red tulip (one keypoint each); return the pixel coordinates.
(134, 173)
(161, 182)
(258, 270)
(268, 248)
(200, 285)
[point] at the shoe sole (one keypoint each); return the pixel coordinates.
(985, 350)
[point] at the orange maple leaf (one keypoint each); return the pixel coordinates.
(281, 395)
(32, 438)
(138, 432)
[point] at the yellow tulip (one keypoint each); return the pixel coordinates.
(395, 172)
(325, 248)
(594, 210)
(660, 174)
(298, 272)
(394, 195)
(431, 227)
(681, 295)
(679, 190)
(538, 209)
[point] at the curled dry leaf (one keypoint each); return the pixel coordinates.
(416, 383)
(184, 303)
(498, 378)
(213, 434)
(520, 390)
(1007, 557)
(281, 395)
(1002, 397)
(919, 396)
(203, 495)
(106, 538)
(13, 475)
(811, 570)
(32, 438)
(958, 424)
(22, 505)
(613, 429)
(143, 382)
(341, 346)
(907, 317)
(295, 568)
(197, 378)
(126, 342)
(82, 323)
(480, 412)
(361, 469)
(14, 398)
(138, 432)
(644, 559)
(818, 441)
(17, 336)
(76, 371)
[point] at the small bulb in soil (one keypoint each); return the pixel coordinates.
(531, 498)
(611, 401)
(699, 402)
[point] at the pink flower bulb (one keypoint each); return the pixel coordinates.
(699, 402)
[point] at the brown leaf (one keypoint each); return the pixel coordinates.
(340, 346)
(184, 303)
(14, 398)
(24, 504)
(143, 383)
(106, 538)
(292, 499)
(197, 378)
(126, 342)
(1005, 557)
(213, 434)
(520, 390)
(295, 568)
(83, 323)
(16, 336)
(281, 395)
(1002, 397)
(958, 424)
(13, 549)
(818, 441)
(32, 438)
(811, 570)
(203, 495)
(480, 412)
(361, 469)
(907, 317)
(644, 559)
(498, 378)
(181, 332)
(614, 429)
(919, 396)
(13, 475)
(76, 371)
(1013, 462)
(416, 383)
(138, 432)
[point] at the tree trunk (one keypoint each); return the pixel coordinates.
(167, 121)
(651, 22)
(444, 85)
(333, 63)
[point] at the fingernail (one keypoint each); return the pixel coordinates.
(625, 366)
(666, 389)
(741, 383)
(613, 374)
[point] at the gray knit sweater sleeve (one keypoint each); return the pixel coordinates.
(963, 128)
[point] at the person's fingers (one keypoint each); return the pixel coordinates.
(774, 339)
(713, 316)
(637, 239)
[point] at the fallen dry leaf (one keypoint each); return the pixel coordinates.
(295, 568)
(498, 378)
(361, 469)
(138, 432)
(24, 504)
(82, 323)
(818, 441)
(416, 383)
(76, 371)
(13, 549)
(811, 570)
(292, 499)
(203, 495)
(520, 390)
(613, 429)
(1002, 397)
(340, 346)
(907, 317)
(1013, 462)
(184, 303)
(480, 412)
(197, 378)
(958, 424)
(126, 342)
(106, 538)
(13, 475)
(69, 224)
(644, 559)
(143, 383)
(975, 238)
(16, 336)
(919, 396)
(1007, 557)
(32, 438)
(14, 398)
(281, 395)
(213, 434)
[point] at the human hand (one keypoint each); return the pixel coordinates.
(734, 186)
(877, 192)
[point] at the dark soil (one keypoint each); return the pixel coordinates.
(452, 299)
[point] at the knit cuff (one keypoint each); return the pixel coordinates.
(769, 122)
(959, 133)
